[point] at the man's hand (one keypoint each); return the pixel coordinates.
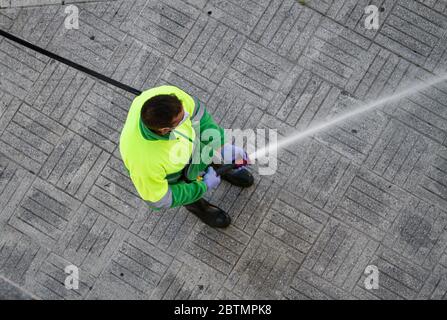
(233, 154)
(211, 179)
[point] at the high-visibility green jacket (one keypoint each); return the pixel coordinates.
(155, 163)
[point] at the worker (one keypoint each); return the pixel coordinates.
(161, 137)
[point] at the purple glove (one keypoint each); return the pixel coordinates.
(211, 179)
(231, 153)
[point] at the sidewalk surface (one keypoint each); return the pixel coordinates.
(370, 192)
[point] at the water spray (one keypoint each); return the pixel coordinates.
(351, 114)
(269, 148)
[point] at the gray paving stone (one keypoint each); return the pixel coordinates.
(30, 137)
(8, 291)
(74, 166)
(286, 27)
(258, 71)
(150, 22)
(179, 75)
(210, 48)
(351, 13)
(20, 257)
(371, 203)
(413, 31)
(401, 155)
(38, 24)
(340, 255)
(90, 240)
(307, 285)
(337, 54)
(419, 233)
(164, 229)
(240, 16)
(218, 249)
(291, 229)
(383, 77)
(7, 18)
(182, 281)
(44, 213)
(19, 69)
(50, 280)
(250, 216)
(435, 286)
(14, 183)
(321, 176)
(398, 278)
(261, 273)
(59, 92)
(431, 185)
(136, 64)
(92, 45)
(93, 121)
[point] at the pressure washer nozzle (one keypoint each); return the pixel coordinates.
(243, 164)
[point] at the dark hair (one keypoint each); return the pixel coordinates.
(159, 111)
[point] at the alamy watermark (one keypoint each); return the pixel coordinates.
(72, 11)
(372, 20)
(72, 19)
(210, 140)
(372, 277)
(72, 280)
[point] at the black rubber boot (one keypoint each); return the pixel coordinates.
(209, 214)
(239, 177)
